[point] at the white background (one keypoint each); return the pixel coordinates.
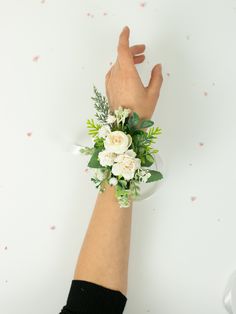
(183, 239)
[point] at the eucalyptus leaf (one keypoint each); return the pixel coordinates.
(133, 120)
(155, 176)
(146, 124)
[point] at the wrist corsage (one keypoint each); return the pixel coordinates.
(122, 151)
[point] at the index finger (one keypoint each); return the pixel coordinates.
(124, 54)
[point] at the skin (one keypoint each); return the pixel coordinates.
(104, 255)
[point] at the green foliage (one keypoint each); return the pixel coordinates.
(94, 161)
(152, 134)
(155, 175)
(133, 120)
(101, 105)
(134, 188)
(146, 124)
(93, 127)
(87, 150)
(122, 195)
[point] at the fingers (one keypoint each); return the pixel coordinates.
(137, 49)
(125, 56)
(155, 81)
(139, 59)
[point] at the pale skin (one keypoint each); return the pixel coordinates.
(104, 255)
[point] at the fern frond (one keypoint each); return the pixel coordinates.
(101, 105)
(93, 127)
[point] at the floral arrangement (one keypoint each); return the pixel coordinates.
(122, 150)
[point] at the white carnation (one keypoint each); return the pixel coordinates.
(126, 165)
(106, 158)
(113, 181)
(104, 131)
(117, 142)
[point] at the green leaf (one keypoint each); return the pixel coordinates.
(146, 124)
(94, 161)
(133, 120)
(147, 160)
(93, 127)
(155, 176)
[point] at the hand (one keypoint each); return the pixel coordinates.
(123, 83)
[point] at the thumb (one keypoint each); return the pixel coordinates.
(156, 80)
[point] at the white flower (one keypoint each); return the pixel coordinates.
(98, 174)
(104, 131)
(144, 175)
(106, 158)
(126, 165)
(113, 181)
(117, 142)
(111, 118)
(121, 114)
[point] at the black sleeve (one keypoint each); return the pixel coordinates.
(89, 298)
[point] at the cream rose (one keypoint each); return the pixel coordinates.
(125, 165)
(117, 142)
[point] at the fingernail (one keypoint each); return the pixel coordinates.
(159, 66)
(124, 28)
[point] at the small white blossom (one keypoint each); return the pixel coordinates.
(121, 114)
(106, 158)
(98, 174)
(113, 181)
(144, 175)
(111, 118)
(104, 131)
(117, 142)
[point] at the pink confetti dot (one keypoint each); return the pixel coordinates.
(6, 281)
(110, 63)
(205, 93)
(53, 227)
(143, 4)
(35, 58)
(43, 1)
(104, 13)
(86, 170)
(5, 248)
(168, 74)
(201, 143)
(193, 198)
(88, 14)
(29, 134)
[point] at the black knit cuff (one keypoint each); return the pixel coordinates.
(90, 298)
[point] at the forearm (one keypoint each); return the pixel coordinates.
(104, 255)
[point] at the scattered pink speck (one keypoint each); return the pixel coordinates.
(6, 281)
(86, 170)
(205, 93)
(88, 14)
(143, 4)
(193, 198)
(43, 1)
(104, 13)
(110, 63)
(201, 143)
(168, 74)
(53, 227)
(29, 134)
(5, 248)
(35, 58)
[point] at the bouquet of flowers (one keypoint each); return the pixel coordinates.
(122, 150)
